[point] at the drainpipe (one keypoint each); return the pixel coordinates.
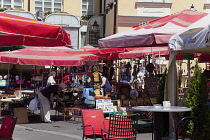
(104, 18)
(100, 4)
(115, 17)
(29, 6)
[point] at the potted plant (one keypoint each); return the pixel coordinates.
(47, 13)
(3, 9)
(86, 17)
(109, 7)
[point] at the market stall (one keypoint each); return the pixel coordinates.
(78, 64)
(53, 57)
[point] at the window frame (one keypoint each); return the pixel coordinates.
(87, 5)
(52, 6)
(12, 5)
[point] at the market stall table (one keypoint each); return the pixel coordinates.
(24, 93)
(9, 101)
(161, 118)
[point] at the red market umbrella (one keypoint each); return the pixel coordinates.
(88, 47)
(152, 33)
(42, 56)
(143, 51)
(19, 31)
(96, 50)
(116, 53)
(204, 58)
(4, 53)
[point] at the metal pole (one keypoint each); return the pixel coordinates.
(188, 68)
(20, 78)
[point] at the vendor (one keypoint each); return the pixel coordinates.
(125, 74)
(107, 88)
(46, 98)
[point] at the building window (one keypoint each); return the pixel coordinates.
(87, 7)
(15, 4)
(153, 8)
(48, 5)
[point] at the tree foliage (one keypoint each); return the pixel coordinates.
(196, 99)
(161, 87)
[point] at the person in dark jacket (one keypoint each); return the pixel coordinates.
(46, 98)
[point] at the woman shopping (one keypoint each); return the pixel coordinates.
(46, 98)
(107, 88)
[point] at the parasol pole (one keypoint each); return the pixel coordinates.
(117, 70)
(50, 68)
(188, 68)
(20, 78)
(43, 78)
(8, 71)
(7, 76)
(159, 63)
(62, 74)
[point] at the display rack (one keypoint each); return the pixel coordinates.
(151, 84)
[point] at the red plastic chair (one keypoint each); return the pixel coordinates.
(93, 121)
(7, 128)
(121, 127)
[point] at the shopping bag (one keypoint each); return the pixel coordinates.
(33, 105)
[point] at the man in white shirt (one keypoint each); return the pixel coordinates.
(50, 80)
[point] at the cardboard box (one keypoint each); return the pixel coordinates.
(22, 115)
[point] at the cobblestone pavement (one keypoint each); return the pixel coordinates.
(63, 130)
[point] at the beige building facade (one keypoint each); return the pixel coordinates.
(139, 11)
(123, 15)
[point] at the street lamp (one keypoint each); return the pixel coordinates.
(95, 26)
(192, 8)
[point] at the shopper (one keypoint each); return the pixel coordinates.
(46, 98)
(50, 80)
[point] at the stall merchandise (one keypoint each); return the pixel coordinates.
(4, 83)
(106, 105)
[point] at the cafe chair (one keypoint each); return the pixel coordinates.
(7, 128)
(92, 122)
(182, 128)
(120, 127)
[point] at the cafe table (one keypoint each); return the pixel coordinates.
(161, 118)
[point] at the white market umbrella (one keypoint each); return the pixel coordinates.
(193, 39)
